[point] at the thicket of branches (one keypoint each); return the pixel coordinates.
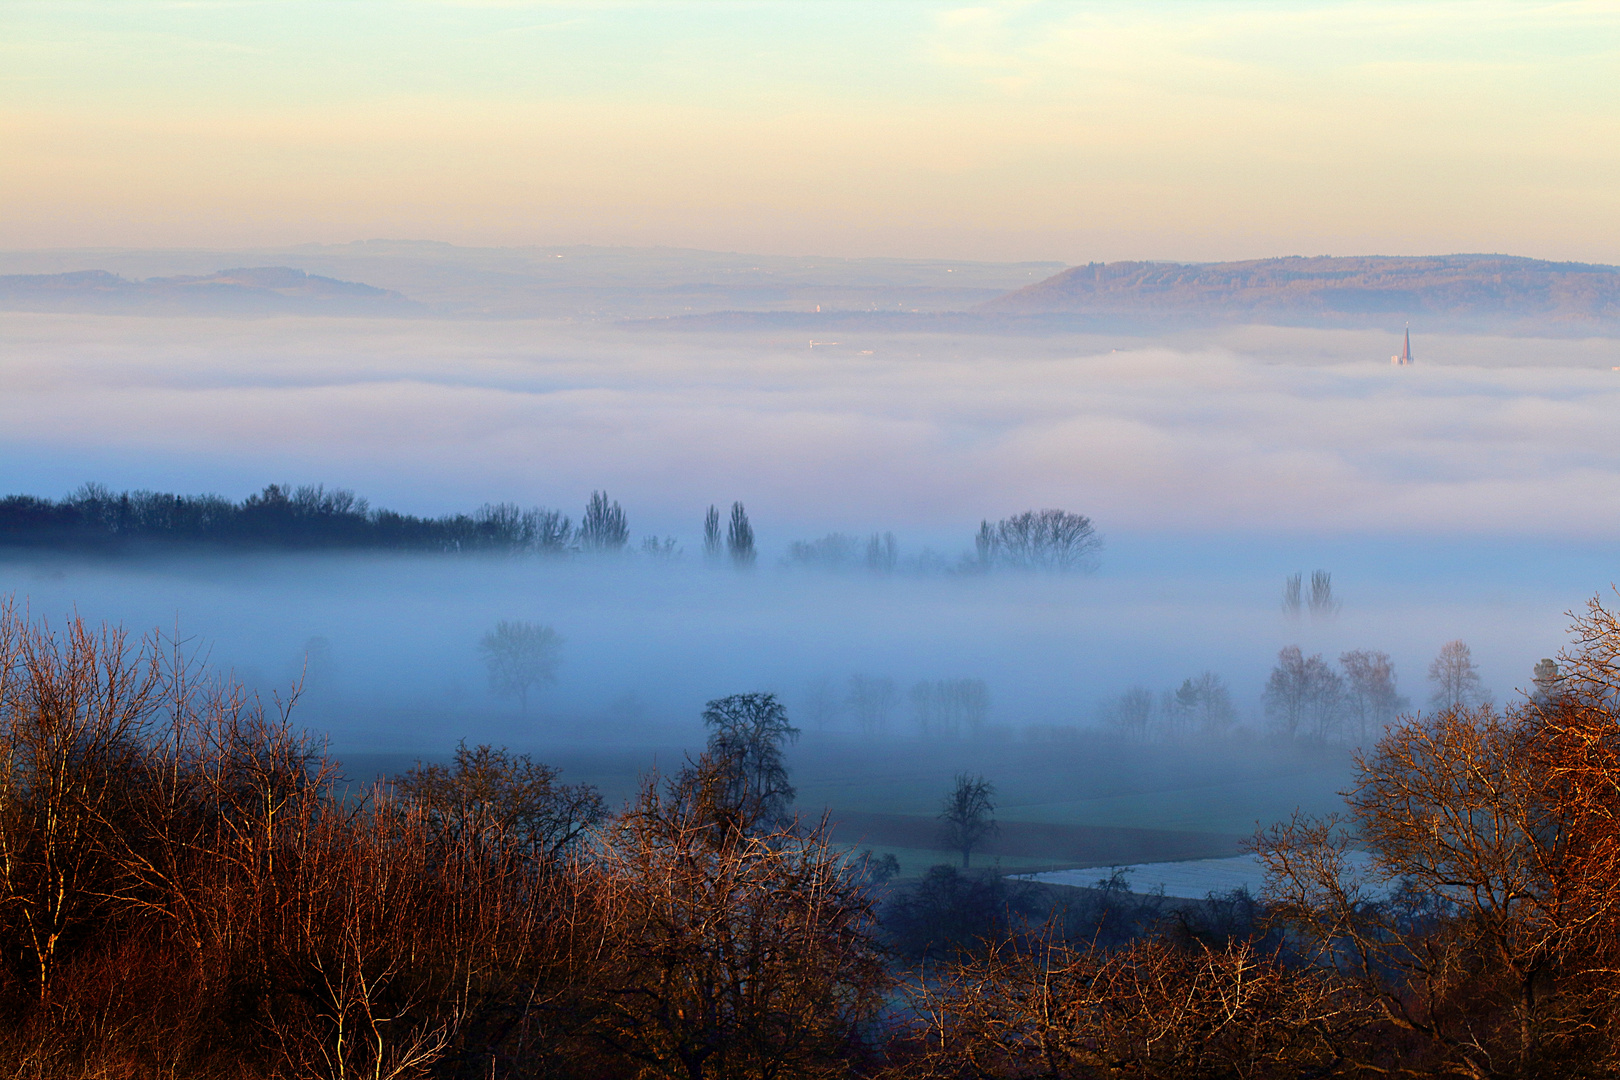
(187, 889)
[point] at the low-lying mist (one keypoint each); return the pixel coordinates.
(1472, 497)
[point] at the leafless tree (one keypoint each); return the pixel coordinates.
(950, 707)
(871, 699)
(519, 656)
(1132, 712)
(1293, 603)
(1207, 703)
(1303, 695)
(968, 814)
(603, 528)
(747, 734)
(1455, 678)
(1322, 602)
(882, 553)
(833, 551)
(821, 703)
(1040, 540)
(734, 954)
(1370, 700)
(489, 799)
(665, 550)
(711, 535)
(740, 537)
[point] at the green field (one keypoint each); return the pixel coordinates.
(1076, 802)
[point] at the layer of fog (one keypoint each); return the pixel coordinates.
(1254, 431)
(1472, 496)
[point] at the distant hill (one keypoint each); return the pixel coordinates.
(579, 282)
(1482, 291)
(265, 290)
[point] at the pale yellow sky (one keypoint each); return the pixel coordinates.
(1018, 130)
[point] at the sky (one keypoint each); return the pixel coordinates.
(1077, 132)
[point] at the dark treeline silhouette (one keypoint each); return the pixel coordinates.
(279, 517)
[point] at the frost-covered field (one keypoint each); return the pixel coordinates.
(1192, 879)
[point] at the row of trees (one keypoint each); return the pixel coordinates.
(1319, 600)
(311, 517)
(1201, 705)
(1307, 698)
(308, 517)
(879, 552)
(940, 707)
(738, 538)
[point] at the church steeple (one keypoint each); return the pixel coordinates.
(1405, 359)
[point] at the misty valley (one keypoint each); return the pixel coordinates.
(643, 700)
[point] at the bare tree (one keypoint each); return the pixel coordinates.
(1303, 695)
(665, 550)
(603, 528)
(1132, 712)
(711, 535)
(871, 698)
(734, 954)
(949, 707)
(492, 800)
(740, 537)
(968, 814)
(520, 655)
(821, 703)
(1371, 700)
(747, 733)
(1455, 678)
(1207, 703)
(833, 551)
(882, 553)
(1323, 603)
(1040, 540)
(1293, 603)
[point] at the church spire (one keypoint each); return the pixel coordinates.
(1405, 359)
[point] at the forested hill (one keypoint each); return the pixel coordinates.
(1488, 291)
(304, 518)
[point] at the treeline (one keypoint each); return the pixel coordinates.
(301, 518)
(947, 708)
(188, 890)
(1044, 540)
(310, 517)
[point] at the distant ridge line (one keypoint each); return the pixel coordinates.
(1488, 289)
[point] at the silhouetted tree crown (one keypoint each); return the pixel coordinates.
(740, 537)
(747, 735)
(519, 656)
(603, 528)
(711, 534)
(967, 815)
(1039, 540)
